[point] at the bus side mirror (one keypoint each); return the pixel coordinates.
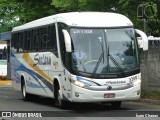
(143, 40)
(67, 40)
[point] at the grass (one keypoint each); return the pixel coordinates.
(150, 95)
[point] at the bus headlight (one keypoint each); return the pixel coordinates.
(83, 83)
(135, 82)
(80, 84)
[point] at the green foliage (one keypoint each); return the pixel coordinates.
(8, 17)
(69, 5)
(148, 9)
(150, 95)
(16, 12)
(84, 5)
(35, 9)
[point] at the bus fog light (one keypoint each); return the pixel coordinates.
(138, 92)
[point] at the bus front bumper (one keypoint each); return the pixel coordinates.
(84, 95)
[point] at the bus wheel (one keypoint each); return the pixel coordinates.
(58, 100)
(25, 95)
(116, 104)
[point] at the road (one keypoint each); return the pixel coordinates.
(11, 101)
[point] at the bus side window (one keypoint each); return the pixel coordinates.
(13, 42)
(38, 40)
(34, 45)
(45, 38)
(26, 43)
(52, 44)
(21, 47)
(61, 40)
(64, 55)
(18, 41)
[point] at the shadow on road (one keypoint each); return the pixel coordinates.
(77, 106)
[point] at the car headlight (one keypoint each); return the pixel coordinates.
(83, 83)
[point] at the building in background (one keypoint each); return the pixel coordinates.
(5, 55)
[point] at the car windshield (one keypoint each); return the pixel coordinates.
(104, 51)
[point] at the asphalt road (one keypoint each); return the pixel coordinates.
(11, 101)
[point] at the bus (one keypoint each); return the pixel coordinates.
(78, 57)
(3, 61)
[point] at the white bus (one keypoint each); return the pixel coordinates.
(3, 61)
(78, 57)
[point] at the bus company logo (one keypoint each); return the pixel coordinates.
(42, 60)
(45, 38)
(21, 114)
(6, 114)
(115, 82)
(109, 88)
(146, 11)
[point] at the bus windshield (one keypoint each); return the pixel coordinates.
(104, 51)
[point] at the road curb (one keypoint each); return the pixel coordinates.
(5, 83)
(152, 101)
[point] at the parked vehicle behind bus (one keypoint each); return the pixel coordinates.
(78, 57)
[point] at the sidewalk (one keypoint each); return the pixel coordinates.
(150, 101)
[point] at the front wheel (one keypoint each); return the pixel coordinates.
(58, 100)
(26, 96)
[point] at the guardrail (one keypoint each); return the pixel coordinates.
(154, 41)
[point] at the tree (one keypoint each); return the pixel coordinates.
(35, 9)
(129, 8)
(8, 17)
(16, 12)
(145, 15)
(85, 5)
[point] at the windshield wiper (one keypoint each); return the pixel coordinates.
(113, 60)
(116, 63)
(100, 39)
(100, 57)
(98, 63)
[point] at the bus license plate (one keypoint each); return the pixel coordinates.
(109, 95)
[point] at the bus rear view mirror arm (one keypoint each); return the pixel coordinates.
(144, 38)
(67, 40)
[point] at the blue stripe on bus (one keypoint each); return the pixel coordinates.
(35, 75)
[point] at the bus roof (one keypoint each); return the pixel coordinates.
(81, 19)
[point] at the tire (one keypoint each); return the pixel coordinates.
(58, 100)
(25, 95)
(116, 104)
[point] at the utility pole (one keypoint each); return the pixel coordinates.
(145, 25)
